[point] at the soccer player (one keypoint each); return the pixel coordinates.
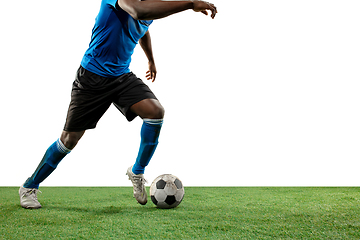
(104, 78)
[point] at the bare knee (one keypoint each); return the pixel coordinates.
(70, 139)
(157, 112)
(149, 108)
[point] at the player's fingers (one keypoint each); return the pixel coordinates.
(148, 75)
(153, 76)
(213, 10)
(213, 14)
(204, 12)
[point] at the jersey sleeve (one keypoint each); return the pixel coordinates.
(112, 3)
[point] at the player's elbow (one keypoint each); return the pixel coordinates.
(138, 15)
(133, 8)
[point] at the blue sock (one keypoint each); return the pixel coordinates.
(150, 132)
(54, 154)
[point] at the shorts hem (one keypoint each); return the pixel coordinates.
(77, 129)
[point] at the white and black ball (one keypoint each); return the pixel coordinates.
(167, 191)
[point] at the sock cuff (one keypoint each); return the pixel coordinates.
(154, 121)
(61, 147)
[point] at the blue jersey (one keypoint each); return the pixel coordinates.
(113, 40)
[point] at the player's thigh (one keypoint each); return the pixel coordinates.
(148, 108)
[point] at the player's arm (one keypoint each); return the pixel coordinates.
(145, 43)
(155, 9)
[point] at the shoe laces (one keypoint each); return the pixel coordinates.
(139, 181)
(33, 193)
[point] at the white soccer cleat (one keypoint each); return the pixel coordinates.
(28, 198)
(138, 182)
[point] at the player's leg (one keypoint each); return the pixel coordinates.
(52, 157)
(87, 105)
(152, 113)
(136, 99)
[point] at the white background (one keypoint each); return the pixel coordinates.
(266, 94)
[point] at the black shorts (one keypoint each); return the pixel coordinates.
(92, 95)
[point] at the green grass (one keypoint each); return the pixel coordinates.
(205, 213)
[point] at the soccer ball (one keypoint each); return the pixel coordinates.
(167, 191)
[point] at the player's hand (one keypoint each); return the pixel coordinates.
(202, 6)
(151, 73)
